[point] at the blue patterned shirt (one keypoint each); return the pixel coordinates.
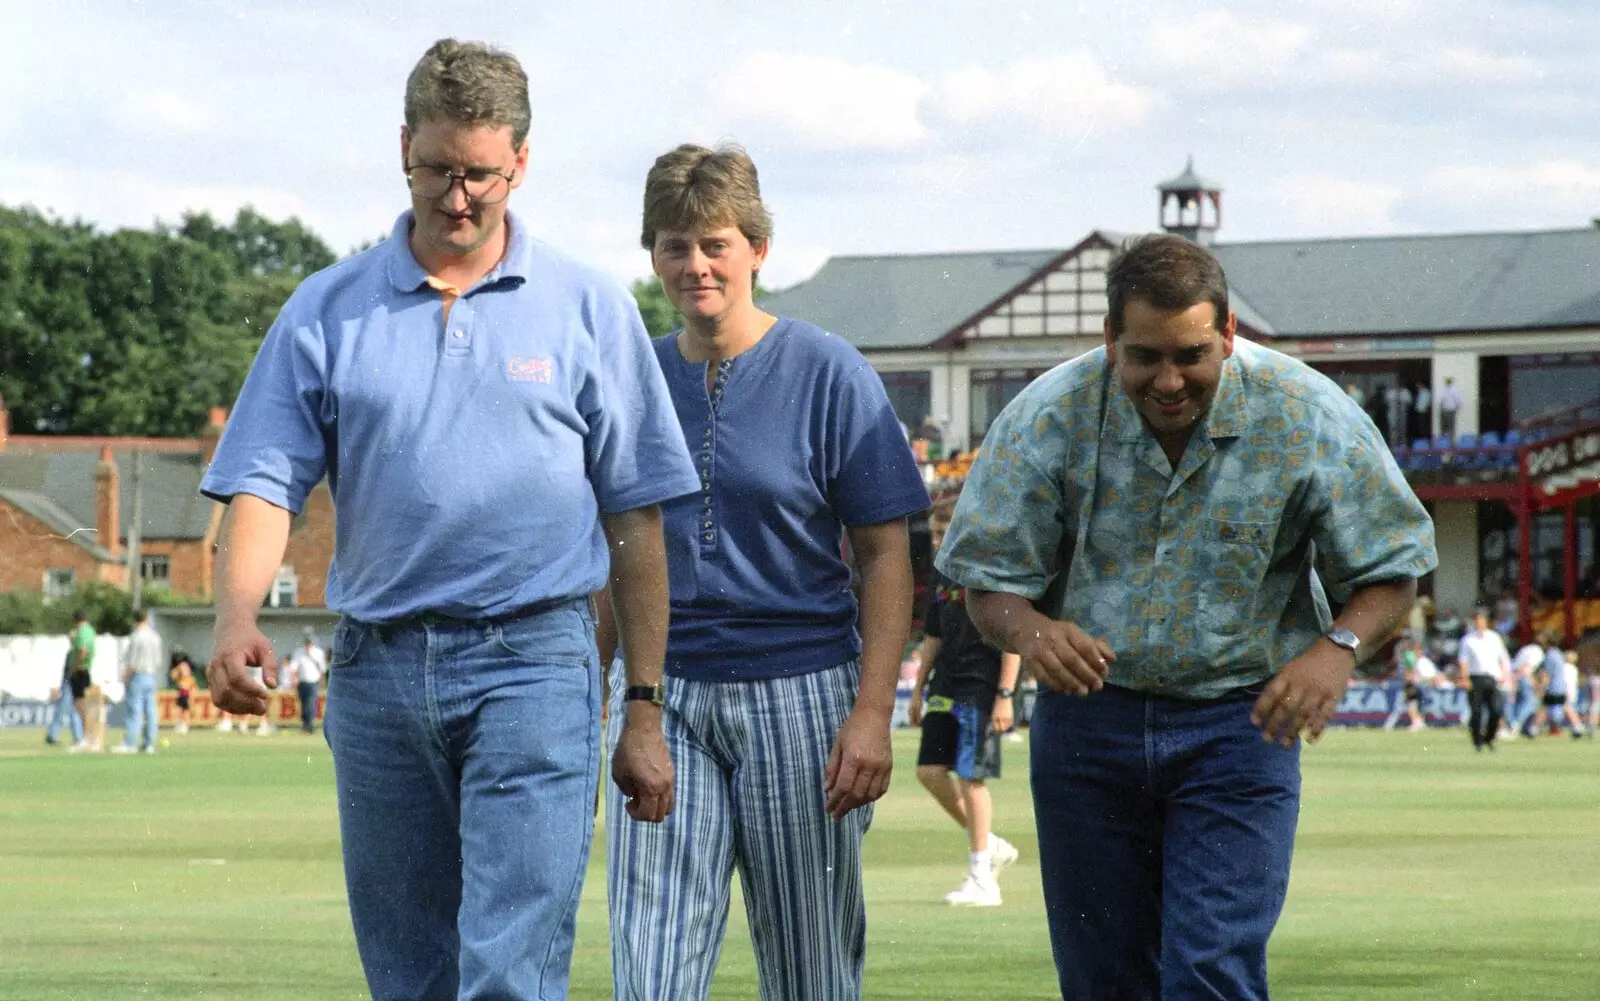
(1206, 578)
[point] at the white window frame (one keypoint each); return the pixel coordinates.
(149, 564)
(53, 589)
(285, 591)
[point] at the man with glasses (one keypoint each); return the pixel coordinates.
(491, 421)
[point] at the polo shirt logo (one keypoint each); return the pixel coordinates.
(530, 370)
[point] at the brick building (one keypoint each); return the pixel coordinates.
(68, 512)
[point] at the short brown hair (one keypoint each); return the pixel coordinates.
(469, 83)
(1168, 272)
(697, 187)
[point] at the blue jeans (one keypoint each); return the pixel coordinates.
(143, 720)
(64, 712)
(306, 691)
(466, 757)
(1520, 716)
(1165, 833)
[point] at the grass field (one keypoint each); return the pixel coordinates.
(211, 870)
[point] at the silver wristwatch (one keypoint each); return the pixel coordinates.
(1347, 639)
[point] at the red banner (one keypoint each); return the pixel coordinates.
(284, 707)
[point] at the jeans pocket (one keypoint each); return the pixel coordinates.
(560, 636)
(347, 640)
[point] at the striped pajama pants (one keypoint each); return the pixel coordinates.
(749, 759)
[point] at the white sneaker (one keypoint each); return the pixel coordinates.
(1015, 737)
(1001, 854)
(80, 747)
(225, 726)
(123, 749)
(975, 892)
(181, 728)
(266, 729)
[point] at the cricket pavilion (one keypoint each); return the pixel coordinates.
(1508, 323)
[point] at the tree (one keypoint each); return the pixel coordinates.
(659, 316)
(138, 332)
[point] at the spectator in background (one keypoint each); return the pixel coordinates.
(1397, 403)
(970, 686)
(1485, 666)
(82, 639)
(63, 711)
(308, 665)
(139, 679)
(1524, 700)
(1592, 680)
(1449, 406)
(1560, 673)
(182, 675)
(1421, 411)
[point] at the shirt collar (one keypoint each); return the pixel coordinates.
(406, 275)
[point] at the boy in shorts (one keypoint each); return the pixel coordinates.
(970, 685)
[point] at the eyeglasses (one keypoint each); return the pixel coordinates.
(480, 184)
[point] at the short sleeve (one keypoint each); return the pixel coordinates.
(274, 446)
(1368, 525)
(1007, 528)
(634, 449)
(873, 477)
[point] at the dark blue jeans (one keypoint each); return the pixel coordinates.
(1165, 833)
(466, 759)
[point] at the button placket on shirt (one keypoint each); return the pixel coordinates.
(708, 521)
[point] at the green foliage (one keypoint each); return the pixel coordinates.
(134, 332)
(660, 318)
(26, 613)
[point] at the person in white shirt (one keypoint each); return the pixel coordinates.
(1484, 665)
(1449, 406)
(139, 670)
(309, 665)
(1525, 700)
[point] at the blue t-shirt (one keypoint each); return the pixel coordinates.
(1555, 672)
(801, 443)
(469, 460)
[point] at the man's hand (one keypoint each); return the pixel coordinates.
(1004, 714)
(1063, 657)
(641, 766)
(914, 708)
(859, 764)
(1304, 695)
(239, 648)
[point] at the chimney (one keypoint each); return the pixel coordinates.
(107, 502)
(5, 424)
(215, 422)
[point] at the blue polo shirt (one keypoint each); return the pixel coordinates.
(800, 442)
(469, 460)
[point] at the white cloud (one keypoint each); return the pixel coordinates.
(823, 102)
(1458, 64)
(1060, 94)
(1325, 204)
(1559, 192)
(149, 112)
(1218, 50)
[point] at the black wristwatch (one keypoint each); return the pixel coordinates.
(656, 694)
(1005, 693)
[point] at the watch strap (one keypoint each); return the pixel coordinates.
(646, 693)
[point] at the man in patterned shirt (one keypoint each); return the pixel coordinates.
(1194, 495)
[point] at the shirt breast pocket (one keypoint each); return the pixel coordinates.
(1240, 555)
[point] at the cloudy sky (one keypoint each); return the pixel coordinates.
(878, 125)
